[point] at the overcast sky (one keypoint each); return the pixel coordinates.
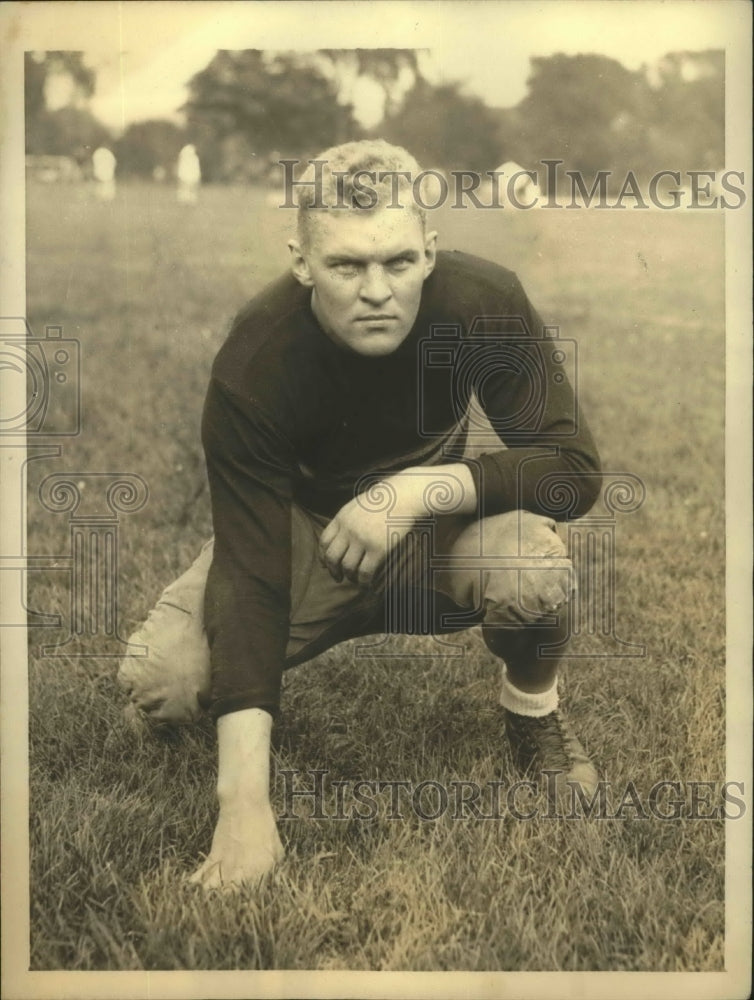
(144, 53)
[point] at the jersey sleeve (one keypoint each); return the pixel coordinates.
(251, 467)
(550, 464)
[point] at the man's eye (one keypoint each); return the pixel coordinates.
(345, 268)
(400, 263)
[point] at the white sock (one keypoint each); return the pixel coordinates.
(525, 703)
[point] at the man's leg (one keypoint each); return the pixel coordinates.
(169, 683)
(523, 611)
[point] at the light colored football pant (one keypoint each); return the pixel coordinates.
(506, 572)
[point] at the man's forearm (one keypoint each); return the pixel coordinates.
(440, 489)
(245, 844)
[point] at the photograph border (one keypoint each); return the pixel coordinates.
(409, 24)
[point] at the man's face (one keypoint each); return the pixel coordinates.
(366, 270)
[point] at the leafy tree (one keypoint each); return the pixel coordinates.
(388, 68)
(594, 114)
(146, 145)
(39, 66)
(35, 74)
(279, 103)
(445, 128)
(688, 110)
(71, 132)
(577, 107)
(67, 131)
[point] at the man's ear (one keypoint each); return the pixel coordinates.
(430, 253)
(299, 264)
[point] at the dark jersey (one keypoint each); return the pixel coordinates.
(290, 416)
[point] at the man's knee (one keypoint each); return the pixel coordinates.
(168, 682)
(535, 577)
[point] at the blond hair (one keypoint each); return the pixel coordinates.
(361, 175)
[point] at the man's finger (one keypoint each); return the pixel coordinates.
(331, 530)
(367, 569)
(351, 562)
(333, 557)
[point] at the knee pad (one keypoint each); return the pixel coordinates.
(166, 684)
(541, 583)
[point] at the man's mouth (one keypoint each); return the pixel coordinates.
(375, 318)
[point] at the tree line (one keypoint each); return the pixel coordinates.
(248, 108)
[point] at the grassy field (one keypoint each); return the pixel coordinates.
(118, 819)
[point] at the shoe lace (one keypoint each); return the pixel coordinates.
(545, 738)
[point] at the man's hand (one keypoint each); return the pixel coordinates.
(356, 542)
(245, 845)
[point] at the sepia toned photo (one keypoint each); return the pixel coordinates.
(376, 499)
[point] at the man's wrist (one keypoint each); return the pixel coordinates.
(243, 739)
(409, 487)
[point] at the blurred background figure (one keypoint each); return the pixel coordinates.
(189, 175)
(511, 184)
(517, 185)
(103, 170)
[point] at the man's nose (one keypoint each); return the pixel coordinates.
(375, 287)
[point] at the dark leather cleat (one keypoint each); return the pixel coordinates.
(545, 749)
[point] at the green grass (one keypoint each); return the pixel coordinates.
(118, 818)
